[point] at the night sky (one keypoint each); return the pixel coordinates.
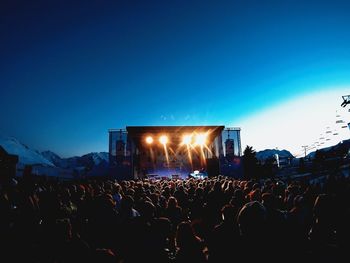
(69, 72)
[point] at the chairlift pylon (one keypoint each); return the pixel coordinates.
(346, 100)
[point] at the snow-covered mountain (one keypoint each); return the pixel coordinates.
(26, 155)
(268, 153)
(87, 160)
(52, 157)
(49, 163)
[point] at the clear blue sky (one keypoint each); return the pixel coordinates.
(68, 72)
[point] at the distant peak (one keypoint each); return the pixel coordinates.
(267, 153)
(50, 153)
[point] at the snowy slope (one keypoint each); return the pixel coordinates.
(94, 164)
(53, 158)
(49, 163)
(98, 157)
(25, 154)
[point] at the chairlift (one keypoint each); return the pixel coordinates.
(344, 127)
(339, 121)
(328, 131)
(346, 100)
(328, 139)
(335, 133)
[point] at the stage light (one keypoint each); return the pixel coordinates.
(149, 140)
(163, 139)
(201, 139)
(187, 139)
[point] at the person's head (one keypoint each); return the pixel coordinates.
(255, 195)
(251, 220)
(185, 236)
(298, 201)
(172, 202)
(147, 210)
(127, 202)
(105, 202)
(256, 186)
(217, 186)
(268, 200)
(238, 194)
(228, 213)
(155, 198)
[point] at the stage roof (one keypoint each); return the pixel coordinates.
(138, 133)
(171, 129)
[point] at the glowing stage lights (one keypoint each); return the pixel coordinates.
(187, 139)
(149, 140)
(201, 139)
(190, 140)
(163, 139)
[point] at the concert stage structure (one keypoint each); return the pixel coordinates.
(174, 152)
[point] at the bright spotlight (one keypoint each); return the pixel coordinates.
(149, 140)
(201, 139)
(163, 139)
(187, 139)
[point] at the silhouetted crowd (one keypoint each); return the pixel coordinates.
(195, 220)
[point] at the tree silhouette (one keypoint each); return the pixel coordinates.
(250, 163)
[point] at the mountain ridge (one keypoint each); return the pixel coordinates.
(49, 163)
(268, 153)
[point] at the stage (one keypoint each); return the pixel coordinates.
(170, 151)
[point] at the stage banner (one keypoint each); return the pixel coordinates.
(120, 148)
(230, 147)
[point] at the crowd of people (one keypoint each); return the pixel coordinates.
(216, 219)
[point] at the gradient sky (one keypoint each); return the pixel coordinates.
(69, 72)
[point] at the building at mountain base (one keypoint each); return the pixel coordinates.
(8, 163)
